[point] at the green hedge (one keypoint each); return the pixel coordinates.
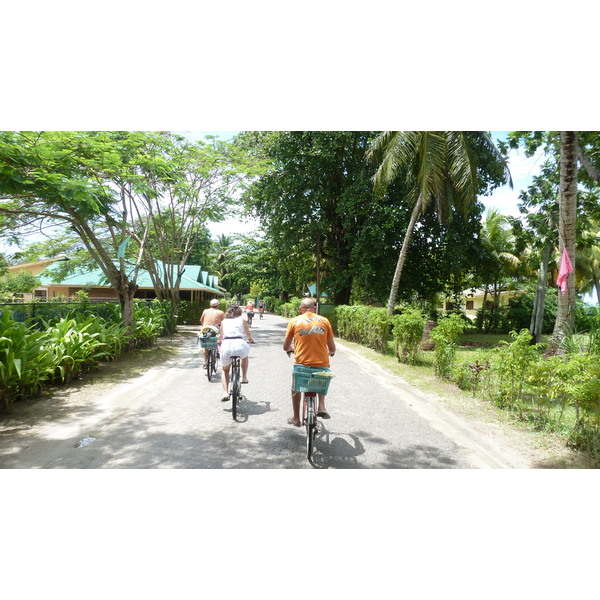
(364, 325)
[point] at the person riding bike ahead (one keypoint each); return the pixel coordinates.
(250, 312)
(310, 337)
(233, 336)
(211, 316)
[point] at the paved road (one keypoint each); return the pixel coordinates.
(172, 417)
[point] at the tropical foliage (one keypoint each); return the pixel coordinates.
(57, 350)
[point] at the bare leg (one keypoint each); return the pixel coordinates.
(244, 365)
(225, 378)
(321, 402)
(295, 420)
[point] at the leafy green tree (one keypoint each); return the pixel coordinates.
(220, 256)
(18, 283)
(132, 198)
(444, 168)
(86, 180)
(200, 186)
(201, 250)
(577, 198)
(498, 240)
(588, 260)
(315, 204)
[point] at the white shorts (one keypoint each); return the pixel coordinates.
(233, 347)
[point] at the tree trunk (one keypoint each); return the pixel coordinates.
(125, 295)
(481, 320)
(416, 213)
(318, 283)
(537, 316)
(592, 171)
(567, 228)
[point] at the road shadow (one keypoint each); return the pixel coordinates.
(248, 408)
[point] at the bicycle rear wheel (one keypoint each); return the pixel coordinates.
(215, 360)
(209, 364)
(235, 387)
(310, 425)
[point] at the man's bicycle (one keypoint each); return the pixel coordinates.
(210, 342)
(310, 381)
(250, 316)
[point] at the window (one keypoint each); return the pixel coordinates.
(470, 304)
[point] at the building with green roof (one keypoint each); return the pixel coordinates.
(196, 284)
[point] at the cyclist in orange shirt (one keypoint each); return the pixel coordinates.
(310, 337)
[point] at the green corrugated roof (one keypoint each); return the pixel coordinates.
(96, 278)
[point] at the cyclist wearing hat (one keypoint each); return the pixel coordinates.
(211, 317)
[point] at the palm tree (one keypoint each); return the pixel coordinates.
(498, 238)
(222, 252)
(567, 229)
(442, 168)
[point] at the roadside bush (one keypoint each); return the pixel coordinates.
(24, 361)
(468, 375)
(364, 325)
(272, 303)
(74, 347)
(444, 337)
(290, 309)
(407, 331)
(509, 365)
(149, 321)
(190, 312)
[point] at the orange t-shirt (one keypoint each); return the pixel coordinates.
(310, 333)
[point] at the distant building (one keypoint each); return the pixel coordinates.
(472, 301)
(196, 285)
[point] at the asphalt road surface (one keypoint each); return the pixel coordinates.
(172, 418)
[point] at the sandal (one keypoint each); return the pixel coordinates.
(224, 398)
(291, 422)
(244, 381)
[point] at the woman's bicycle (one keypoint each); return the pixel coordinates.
(211, 343)
(310, 381)
(235, 385)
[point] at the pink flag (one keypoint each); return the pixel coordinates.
(565, 269)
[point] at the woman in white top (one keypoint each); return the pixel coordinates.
(234, 332)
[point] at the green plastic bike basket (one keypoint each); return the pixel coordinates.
(306, 380)
(209, 342)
